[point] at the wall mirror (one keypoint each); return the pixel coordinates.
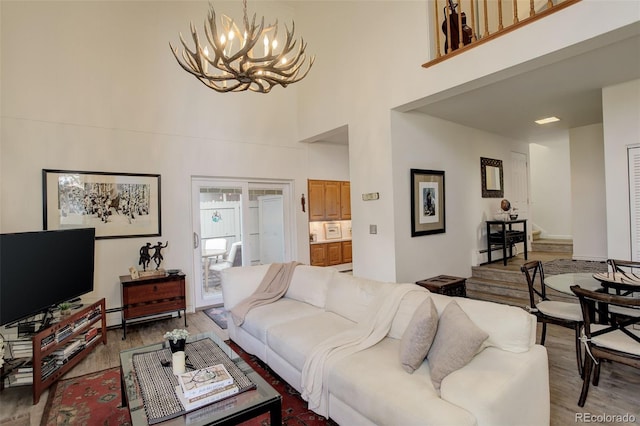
(492, 178)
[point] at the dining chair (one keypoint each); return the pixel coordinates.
(630, 271)
(617, 341)
(547, 311)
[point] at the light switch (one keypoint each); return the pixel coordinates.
(373, 229)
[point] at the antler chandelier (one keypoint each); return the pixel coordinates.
(234, 61)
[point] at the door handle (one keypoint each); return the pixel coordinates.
(196, 240)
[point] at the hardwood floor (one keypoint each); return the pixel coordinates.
(617, 394)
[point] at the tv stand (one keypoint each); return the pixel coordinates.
(76, 325)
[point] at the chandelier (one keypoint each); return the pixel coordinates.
(233, 61)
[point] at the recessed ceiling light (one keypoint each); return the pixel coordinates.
(547, 120)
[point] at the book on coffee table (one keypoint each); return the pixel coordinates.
(207, 398)
(205, 380)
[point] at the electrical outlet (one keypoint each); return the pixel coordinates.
(373, 229)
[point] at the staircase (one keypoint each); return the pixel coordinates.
(506, 284)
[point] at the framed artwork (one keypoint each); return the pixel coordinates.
(492, 178)
(427, 202)
(117, 205)
(332, 231)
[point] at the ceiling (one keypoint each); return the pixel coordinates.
(569, 89)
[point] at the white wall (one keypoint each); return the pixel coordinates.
(621, 124)
(434, 144)
(93, 86)
(551, 186)
(588, 193)
(328, 161)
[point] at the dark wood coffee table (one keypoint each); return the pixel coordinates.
(230, 411)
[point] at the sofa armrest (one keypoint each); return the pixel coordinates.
(503, 388)
(240, 282)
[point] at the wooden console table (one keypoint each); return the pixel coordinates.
(506, 237)
(154, 295)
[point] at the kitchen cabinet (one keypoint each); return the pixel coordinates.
(329, 200)
(345, 200)
(346, 252)
(329, 254)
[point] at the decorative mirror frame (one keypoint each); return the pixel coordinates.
(490, 193)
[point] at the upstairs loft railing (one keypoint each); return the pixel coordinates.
(462, 25)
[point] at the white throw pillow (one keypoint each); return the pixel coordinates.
(418, 336)
(456, 343)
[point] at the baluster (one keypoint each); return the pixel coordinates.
(549, 4)
(500, 26)
(460, 31)
(486, 20)
(447, 14)
(515, 12)
(473, 21)
(532, 11)
(437, 27)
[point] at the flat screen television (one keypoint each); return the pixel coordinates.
(39, 270)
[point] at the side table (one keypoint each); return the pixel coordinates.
(506, 237)
(445, 284)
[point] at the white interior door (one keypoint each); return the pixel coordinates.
(271, 226)
(519, 197)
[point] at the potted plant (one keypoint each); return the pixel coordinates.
(177, 339)
(65, 308)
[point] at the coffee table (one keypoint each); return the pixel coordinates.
(230, 411)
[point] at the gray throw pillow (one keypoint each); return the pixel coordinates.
(418, 336)
(457, 341)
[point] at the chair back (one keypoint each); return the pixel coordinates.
(630, 270)
(534, 274)
(215, 244)
(235, 254)
(593, 302)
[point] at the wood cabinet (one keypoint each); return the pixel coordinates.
(328, 254)
(46, 368)
(334, 253)
(318, 254)
(143, 297)
(329, 200)
(345, 200)
(346, 252)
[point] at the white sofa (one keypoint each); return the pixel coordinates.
(505, 383)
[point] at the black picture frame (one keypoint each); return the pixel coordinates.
(427, 202)
(117, 205)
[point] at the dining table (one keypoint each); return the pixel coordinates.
(563, 282)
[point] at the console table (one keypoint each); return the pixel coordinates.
(153, 295)
(506, 237)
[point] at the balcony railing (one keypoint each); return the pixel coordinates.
(464, 25)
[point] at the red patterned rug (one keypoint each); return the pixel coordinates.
(294, 408)
(95, 399)
(86, 400)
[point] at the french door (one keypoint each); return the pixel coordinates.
(253, 217)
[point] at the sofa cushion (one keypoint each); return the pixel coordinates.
(350, 297)
(510, 328)
(386, 394)
(404, 314)
(240, 283)
(295, 340)
(260, 319)
(457, 341)
(418, 336)
(309, 284)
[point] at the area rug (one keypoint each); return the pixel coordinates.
(87, 400)
(564, 266)
(218, 315)
(294, 408)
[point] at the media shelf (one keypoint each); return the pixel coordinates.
(48, 367)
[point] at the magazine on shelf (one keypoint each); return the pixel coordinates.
(205, 380)
(208, 398)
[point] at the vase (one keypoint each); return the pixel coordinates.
(177, 346)
(178, 362)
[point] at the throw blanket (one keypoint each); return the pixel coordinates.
(273, 286)
(365, 334)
